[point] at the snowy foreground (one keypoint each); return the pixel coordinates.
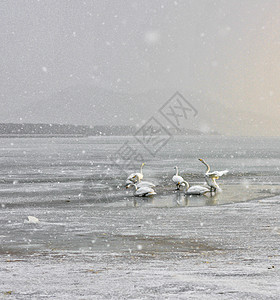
(209, 252)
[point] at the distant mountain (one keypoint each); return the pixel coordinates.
(92, 106)
(89, 105)
(84, 105)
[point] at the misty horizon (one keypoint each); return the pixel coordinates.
(102, 63)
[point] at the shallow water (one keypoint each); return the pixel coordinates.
(39, 169)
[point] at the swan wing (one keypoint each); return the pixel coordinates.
(217, 174)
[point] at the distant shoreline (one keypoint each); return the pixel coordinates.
(41, 130)
(22, 136)
(41, 135)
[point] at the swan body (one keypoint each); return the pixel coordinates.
(144, 191)
(178, 180)
(197, 190)
(132, 177)
(211, 182)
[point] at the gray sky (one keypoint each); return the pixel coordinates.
(138, 53)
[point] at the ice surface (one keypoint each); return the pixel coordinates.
(96, 241)
(32, 220)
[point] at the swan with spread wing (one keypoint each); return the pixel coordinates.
(211, 177)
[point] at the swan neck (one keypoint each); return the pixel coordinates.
(141, 169)
(207, 167)
(187, 185)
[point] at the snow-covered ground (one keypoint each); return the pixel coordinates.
(209, 252)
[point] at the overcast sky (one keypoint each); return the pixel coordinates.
(229, 51)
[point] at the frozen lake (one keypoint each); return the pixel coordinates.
(95, 240)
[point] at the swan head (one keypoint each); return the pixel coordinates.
(128, 184)
(136, 178)
(203, 161)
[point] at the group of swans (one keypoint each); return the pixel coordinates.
(193, 190)
(210, 178)
(145, 188)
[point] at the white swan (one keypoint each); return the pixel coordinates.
(215, 174)
(178, 180)
(139, 183)
(143, 191)
(196, 190)
(132, 177)
(210, 177)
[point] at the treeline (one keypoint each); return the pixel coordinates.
(63, 129)
(30, 129)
